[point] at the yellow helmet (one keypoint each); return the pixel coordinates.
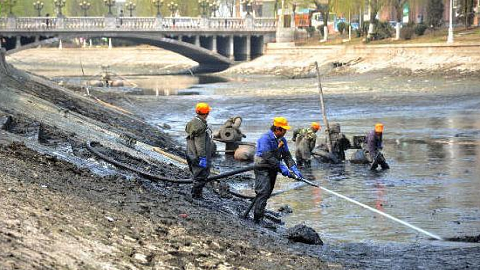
(281, 122)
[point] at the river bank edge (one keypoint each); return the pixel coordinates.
(292, 61)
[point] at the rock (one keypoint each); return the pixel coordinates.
(117, 83)
(5, 122)
(167, 126)
(244, 152)
(304, 234)
(285, 209)
(141, 258)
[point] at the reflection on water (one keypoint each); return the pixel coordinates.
(432, 143)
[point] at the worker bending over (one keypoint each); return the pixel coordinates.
(305, 140)
(374, 145)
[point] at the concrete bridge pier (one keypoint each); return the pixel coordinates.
(206, 42)
(18, 42)
(257, 46)
(241, 46)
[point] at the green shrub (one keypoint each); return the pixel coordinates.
(341, 26)
(407, 32)
(420, 29)
(382, 30)
(310, 31)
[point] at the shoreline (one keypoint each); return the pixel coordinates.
(280, 59)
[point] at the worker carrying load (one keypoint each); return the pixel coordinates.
(339, 142)
(230, 131)
(232, 136)
(199, 148)
(272, 149)
(305, 140)
(373, 146)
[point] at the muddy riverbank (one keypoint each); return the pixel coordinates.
(65, 209)
(288, 60)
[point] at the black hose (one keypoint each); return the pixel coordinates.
(152, 176)
(143, 173)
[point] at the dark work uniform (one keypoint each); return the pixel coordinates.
(305, 140)
(267, 158)
(199, 141)
(374, 145)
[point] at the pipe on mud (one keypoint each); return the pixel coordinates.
(152, 176)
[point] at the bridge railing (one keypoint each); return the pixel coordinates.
(134, 23)
(81, 23)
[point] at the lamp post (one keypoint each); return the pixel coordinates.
(450, 25)
(203, 7)
(109, 4)
(85, 6)
(158, 4)
(173, 7)
(294, 7)
(38, 6)
(213, 8)
(248, 6)
(130, 6)
(59, 4)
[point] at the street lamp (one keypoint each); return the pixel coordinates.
(450, 26)
(173, 7)
(158, 4)
(214, 7)
(85, 6)
(248, 6)
(59, 4)
(203, 7)
(38, 6)
(131, 7)
(109, 4)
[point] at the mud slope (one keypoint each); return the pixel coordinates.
(64, 209)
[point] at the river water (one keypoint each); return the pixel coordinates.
(432, 143)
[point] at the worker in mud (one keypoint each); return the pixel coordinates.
(305, 140)
(374, 144)
(340, 144)
(199, 142)
(271, 150)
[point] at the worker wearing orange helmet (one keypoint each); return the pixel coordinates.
(305, 140)
(199, 145)
(271, 153)
(374, 145)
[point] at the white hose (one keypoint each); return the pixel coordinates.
(381, 213)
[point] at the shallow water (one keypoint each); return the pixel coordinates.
(432, 143)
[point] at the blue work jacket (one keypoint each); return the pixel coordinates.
(269, 153)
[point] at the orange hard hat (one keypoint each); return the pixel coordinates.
(379, 127)
(316, 126)
(281, 122)
(202, 108)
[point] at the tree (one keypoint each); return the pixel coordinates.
(324, 8)
(435, 9)
(398, 6)
(375, 6)
(465, 11)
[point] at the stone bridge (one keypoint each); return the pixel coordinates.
(215, 43)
